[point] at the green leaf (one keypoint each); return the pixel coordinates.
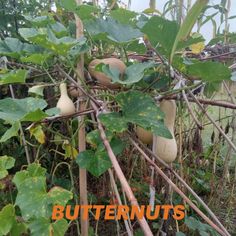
(59, 29)
(6, 163)
(39, 21)
(12, 132)
(53, 111)
(17, 76)
(18, 229)
(136, 47)
(113, 29)
(46, 38)
(86, 11)
(95, 162)
(36, 58)
(69, 5)
(137, 108)
(180, 234)
(94, 139)
(133, 73)
(27, 109)
(37, 89)
(188, 24)
(209, 71)
(7, 218)
(161, 33)
(32, 198)
(13, 47)
(43, 227)
(114, 122)
(123, 16)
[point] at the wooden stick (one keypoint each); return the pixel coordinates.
(125, 185)
(82, 142)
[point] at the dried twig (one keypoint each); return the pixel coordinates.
(143, 223)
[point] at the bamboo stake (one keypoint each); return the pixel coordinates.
(125, 185)
(82, 142)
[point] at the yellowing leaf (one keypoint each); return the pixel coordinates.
(38, 133)
(70, 151)
(197, 47)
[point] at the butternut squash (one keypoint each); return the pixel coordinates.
(100, 76)
(144, 136)
(64, 103)
(73, 91)
(166, 149)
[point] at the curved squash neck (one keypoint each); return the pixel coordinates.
(63, 89)
(169, 108)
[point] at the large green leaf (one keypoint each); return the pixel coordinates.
(32, 198)
(161, 33)
(133, 73)
(115, 31)
(137, 108)
(188, 24)
(209, 71)
(86, 11)
(114, 122)
(96, 161)
(6, 162)
(26, 109)
(69, 5)
(47, 39)
(39, 21)
(11, 132)
(36, 58)
(44, 227)
(17, 76)
(124, 16)
(7, 219)
(13, 47)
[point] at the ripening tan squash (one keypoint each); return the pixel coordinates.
(100, 76)
(144, 136)
(73, 91)
(64, 103)
(166, 149)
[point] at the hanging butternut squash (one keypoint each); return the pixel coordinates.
(64, 103)
(166, 149)
(144, 136)
(100, 76)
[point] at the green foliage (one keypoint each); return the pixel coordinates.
(13, 47)
(209, 71)
(6, 162)
(161, 33)
(188, 24)
(202, 229)
(113, 30)
(137, 108)
(13, 77)
(133, 73)
(36, 203)
(96, 161)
